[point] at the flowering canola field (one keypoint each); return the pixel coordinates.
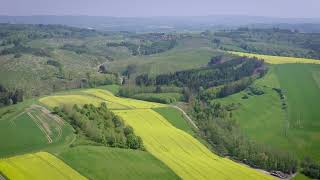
(37, 166)
(181, 152)
(277, 59)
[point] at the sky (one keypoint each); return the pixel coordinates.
(147, 8)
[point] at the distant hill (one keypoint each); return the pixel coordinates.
(143, 24)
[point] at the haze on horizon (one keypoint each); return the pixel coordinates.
(151, 8)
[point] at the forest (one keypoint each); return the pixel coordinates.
(100, 125)
(273, 41)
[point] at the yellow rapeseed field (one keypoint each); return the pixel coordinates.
(277, 59)
(126, 102)
(96, 97)
(185, 155)
(38, 166)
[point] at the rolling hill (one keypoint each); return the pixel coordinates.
(289, 123)
(181, 152)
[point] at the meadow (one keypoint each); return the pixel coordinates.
(278, 59)
(30, 128)
(175, 117)
(295, 128)
(37, 166)
(98, 162)
(181, 152)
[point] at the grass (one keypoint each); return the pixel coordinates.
(301, 176)
(30, 129)
(37, 166)
(278, 59)
(263, 119)
(170, 61)
(114, 88)
(175, 117)
(97, 162)
(181, 152)
(24, 136)
(302, 92)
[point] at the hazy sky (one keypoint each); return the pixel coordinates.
(133, 8)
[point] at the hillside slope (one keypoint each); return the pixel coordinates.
(186, 156)
(290, 123)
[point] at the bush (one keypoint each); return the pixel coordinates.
(255, 90)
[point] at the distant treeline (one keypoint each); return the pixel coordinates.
(11, 33)
(274, 41)
(8, 97)
(100, 125)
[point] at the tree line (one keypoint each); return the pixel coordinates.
(273, 41)
(100, 125)
(210, 76)
(223, 133)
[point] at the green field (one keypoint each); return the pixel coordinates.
(175, 117)
(173, 60)
(96, 162)
(30, 128)
(296, 128)
(181, 152)
(37, 166)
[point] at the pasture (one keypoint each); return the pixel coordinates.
(296, 128)
(30, 128)
(181, 152)
(37, 166)
(278, 59)
(101, 163)
(175, 117)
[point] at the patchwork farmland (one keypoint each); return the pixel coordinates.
(181, 152)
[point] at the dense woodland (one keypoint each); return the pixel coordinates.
(8, 97)
(100, 125)
(268, 41)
